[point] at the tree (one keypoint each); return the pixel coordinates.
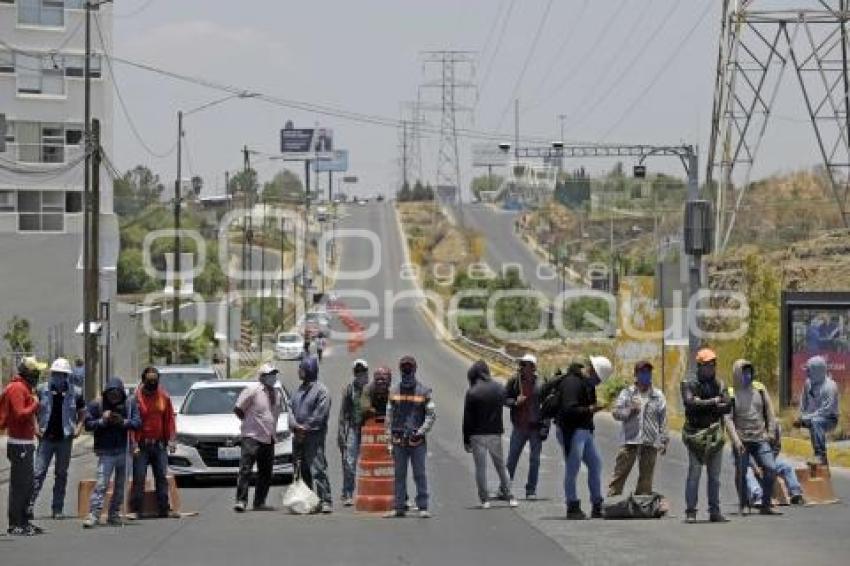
(285, 186)
(17, 335)
(485, 183)
(405, 194)
(137, 189)
(762, 339)
(243, 182)
(132, 277)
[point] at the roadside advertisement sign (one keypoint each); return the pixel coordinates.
(298, 144)
(337, 164)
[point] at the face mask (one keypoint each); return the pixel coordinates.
(151, 385)
(269, 380)
(407, 374)
(361, 378)
(644, 378)
(747, 376)
(705, 373)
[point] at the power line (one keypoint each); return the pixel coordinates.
(569, 35)
(525, 64)
(493, 26)
(674, 53)
(489, 67)
(136, 12)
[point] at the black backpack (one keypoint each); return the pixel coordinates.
(652, 506)
(550, 400)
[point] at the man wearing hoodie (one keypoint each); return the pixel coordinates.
(311, 407)
(60, 421)
(410, 417)
(351, 418)
(818, 406)
(19, 407)
(750, 423)
(483, 430)
(154, 440)
(523, 399)
(110, 418)
(577, 390)
(706, 402)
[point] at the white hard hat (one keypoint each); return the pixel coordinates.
(268, 369)
(360, 362)
(530, 358)
(61, 365)
(602, 366)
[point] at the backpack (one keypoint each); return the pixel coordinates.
(550, 400)
(652, 506)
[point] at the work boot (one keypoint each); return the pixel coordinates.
(574, 511)
(596, 511)
(768, 510)
(396, 514)
(797, 500)
(717, 518)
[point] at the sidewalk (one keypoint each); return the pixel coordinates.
(82, 446)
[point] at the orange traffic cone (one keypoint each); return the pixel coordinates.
(816, 481)
(375, 491)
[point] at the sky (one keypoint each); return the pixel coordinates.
(636, 71)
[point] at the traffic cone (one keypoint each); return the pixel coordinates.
(375, 491)
(816, 481)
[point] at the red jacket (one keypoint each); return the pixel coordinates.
(157, 416)
(22, 408)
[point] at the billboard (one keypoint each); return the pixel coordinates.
(304, 143)
(337, 164)
(489, 155)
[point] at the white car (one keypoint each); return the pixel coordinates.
(176, 380)
(208, 433)
(289, 346)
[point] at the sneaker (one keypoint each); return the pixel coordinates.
(596, 511)
(90, 522)
(19, 532)
(396, 514)
(263, 507)
(512, 502)
(240, 507)
(326, 509)
(797, 500)
(115, 521)
(33, 530)
(717, 518)
(484, 505)
(768, 510)
(531, 496)
(574, 512)
(347, 501)
(58, 516)
(168, 514)
(424, 514)
(134, 516)
(690, 517)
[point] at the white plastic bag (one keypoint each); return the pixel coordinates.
(299, 499)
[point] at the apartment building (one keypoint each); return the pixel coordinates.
(42, 48)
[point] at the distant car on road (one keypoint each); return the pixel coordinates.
(322, 214)
(208, 433)
(179, 378)
(289, 346)
(379, 198)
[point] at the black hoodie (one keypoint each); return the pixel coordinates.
(485, 399)
(110, 436)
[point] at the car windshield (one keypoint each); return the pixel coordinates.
(288, 338)
(211, 401)
(177, 384)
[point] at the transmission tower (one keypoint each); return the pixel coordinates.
(452, 73)
(758, 43)
(411, 113)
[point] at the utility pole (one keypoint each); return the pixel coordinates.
(304, 286)
(228, 314)
(404, 154)
(177, 276)
(94, 258)
(516, 128)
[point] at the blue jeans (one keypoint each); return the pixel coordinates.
(582, 449)
(154, 455)
(314, 465)
(783, 470)
(350, 456)
(818, 427)
(108, 464)
(47, 449)
(763, 455)
(519, 438)
(416, 455)
(714, 463)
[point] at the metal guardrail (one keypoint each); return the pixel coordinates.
(488, 353)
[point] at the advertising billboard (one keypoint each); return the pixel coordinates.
(306, 143)
(337, 164)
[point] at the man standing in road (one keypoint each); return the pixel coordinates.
(818, 406)
(523, 399)
(154, 440)
(60, 421)
(351, 418)
(258, 407)
(575, 432)
(643, 411)
(483, 430)
(110, 418)
(18, 408)
(706, 402)
(410, 417)
(750, 424)
(311, 407)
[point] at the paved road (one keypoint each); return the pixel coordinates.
(503, 247)
(535, 534)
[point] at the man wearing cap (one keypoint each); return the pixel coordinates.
(351, 418)
(311, 408)
(706, 403)
(60, 421)
(410, 417)
(522, 396)
(643, 411)
(258, 407)
(818, 406)
(575, 432)
(19, 409)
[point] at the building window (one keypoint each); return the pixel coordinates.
(41, 12)
(75, 66)
(7, 201)
(73, 202)
(73, 135)
(7, 62)
(39, 74)
(39, 142)
(41, 211)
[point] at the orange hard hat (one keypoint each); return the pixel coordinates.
(706, 355)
